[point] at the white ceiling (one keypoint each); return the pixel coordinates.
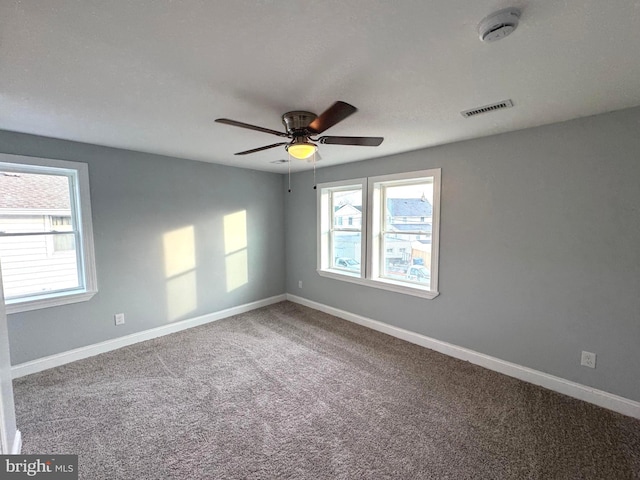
(152, 75)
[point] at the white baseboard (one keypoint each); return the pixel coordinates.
(58, 359)
(557, 384)
(17, 444)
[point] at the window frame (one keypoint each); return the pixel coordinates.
(372, 220)
(81, 208)
(326, 226)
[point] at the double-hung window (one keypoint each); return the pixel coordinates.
(396, 241)
(46, 238)
(341, 215)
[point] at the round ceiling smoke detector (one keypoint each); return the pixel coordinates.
(499, 24)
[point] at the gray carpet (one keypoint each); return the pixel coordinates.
(290, 392)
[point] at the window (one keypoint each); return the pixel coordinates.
(46, 237)
(343, 246)
(397, 246)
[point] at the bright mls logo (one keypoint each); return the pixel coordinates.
(55, 467)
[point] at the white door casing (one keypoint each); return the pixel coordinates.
(9, 435)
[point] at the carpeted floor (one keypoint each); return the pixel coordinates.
(290, 392)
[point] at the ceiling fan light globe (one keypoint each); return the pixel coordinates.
(302, 150)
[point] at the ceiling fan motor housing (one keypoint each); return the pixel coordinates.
(302, 125)
(297, 121)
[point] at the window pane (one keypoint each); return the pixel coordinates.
(64, 243)
(346, 248)
(347, 208)
(406, 259)
(34, 264)
(31, 265)
(409, 208)
(43, 194)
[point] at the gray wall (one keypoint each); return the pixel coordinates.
(136, 200)
(540, 248)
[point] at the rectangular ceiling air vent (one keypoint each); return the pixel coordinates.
(487, 108)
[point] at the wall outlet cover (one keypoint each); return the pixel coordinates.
(588, 359)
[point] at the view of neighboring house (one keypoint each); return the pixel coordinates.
(348, 216)
(348, 243)
(411, 218)
(410, 214)
(410, 221)
(34, 256)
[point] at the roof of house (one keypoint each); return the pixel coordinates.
(347, 207)
(409, 207)
(412, 227)
(34, 191)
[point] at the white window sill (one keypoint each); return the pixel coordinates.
(46, 301)
(382, 283)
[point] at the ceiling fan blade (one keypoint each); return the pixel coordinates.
(362, 141)
(259, 149)
(334, 114)
(235, 123)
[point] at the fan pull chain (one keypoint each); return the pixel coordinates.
(289, 173)
(314, 170)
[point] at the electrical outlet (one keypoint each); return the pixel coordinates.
(299, 283)
(119, 318)
(588, 359)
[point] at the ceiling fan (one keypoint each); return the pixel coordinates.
(302, 126)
